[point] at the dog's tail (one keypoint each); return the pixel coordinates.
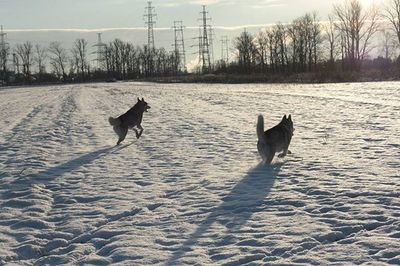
(114, 121)
(260, 128)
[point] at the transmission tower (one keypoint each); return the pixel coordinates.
(205, 53)
(100, 53)
(224, 49)
(179, 44)
(150, 22)
(211, 35)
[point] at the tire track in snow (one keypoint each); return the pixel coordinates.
(69, 194)
(22, 196)
(36, 192)
(21, 105)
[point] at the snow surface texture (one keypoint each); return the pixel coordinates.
(191, 190)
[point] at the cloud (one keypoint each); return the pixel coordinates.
(263, 3)
(175, 3)
(87, 30)
(253, 4)
(268, 3)
(84, 30)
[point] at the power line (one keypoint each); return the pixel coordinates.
(224, 49)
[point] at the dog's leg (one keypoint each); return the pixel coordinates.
(284, 153)
(122, 134)
(262, 150)
(270, 155)
(266, 151)
(138, 134)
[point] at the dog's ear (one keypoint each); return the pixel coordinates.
(290, 118)
(284, 118)
(142, 99)
(138, 99)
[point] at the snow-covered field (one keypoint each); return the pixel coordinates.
(191, 191)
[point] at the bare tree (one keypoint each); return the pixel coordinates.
(25, 53)
(133, 61)
(124, 59)
(246, 50)
(281, 43)
(146, 58)
(331, 36)
(58, 59)
(357, 26)
(79, 54)
(118, 47)
(300, 34)
(108, 58)
(388, 43)
(315, 40)
(40, 58)
(392, 13)
(272, 49)
(296, 41)
(4, 53)
(261, 42)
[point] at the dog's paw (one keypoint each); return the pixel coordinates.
(136, 133)
(281, 155)
(289, 152)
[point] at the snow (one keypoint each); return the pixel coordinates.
(192, 190)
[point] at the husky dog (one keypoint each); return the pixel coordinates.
(130, 119)
(275, 139)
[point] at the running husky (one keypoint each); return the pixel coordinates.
(130, 119)
(274, 140)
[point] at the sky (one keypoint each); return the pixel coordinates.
(45, 21)
(99, 14)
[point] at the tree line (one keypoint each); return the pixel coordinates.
(118, 60)
(343, 42)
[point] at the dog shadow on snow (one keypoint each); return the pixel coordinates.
(245, 199)
(50, 174)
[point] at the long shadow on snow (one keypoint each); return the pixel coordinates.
(19, 187)
(52, 173)
(78, 162)
(245, 199)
